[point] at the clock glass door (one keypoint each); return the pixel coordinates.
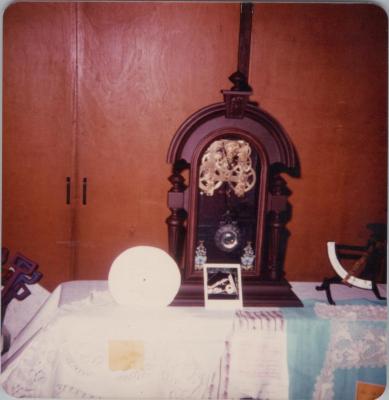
(227, 214)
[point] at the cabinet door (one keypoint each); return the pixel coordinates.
(116, 149)
(90, 93)
(38, 135)
(135, 62)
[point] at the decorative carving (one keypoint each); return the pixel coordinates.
(227, 161)
(236, 103)
(237, 97)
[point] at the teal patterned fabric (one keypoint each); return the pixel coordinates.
(330, 348)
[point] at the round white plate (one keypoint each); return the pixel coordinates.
(144, 276)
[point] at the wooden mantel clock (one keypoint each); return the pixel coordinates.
(234, 208)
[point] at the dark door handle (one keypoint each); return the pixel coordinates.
(84, 190)
(68, 182)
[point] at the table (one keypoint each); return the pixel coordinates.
(315, 352)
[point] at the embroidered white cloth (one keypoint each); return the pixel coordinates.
(254, 363)
(189, 354)
(351, 312)
(69, 356)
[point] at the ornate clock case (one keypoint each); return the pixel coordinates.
(234, 206)
(222, 195)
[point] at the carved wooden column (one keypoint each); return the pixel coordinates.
(277, 221)
(177, 218)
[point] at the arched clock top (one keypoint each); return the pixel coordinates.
(258, 124)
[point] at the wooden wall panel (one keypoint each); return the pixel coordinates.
(143, 68)
(37, 135)
(320, 69)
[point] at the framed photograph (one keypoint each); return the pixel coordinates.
(222, 286)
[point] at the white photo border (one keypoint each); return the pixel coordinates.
(223, 304)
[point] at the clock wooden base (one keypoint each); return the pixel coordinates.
(270, 294)
(255, 294)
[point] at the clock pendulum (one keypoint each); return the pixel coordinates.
(228, 236)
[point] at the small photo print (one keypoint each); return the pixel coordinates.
(223, 285)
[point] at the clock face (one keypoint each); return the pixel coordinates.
(227, 237)
(227, 201)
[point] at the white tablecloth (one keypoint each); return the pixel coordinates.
(73, 291)
(189, 352)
